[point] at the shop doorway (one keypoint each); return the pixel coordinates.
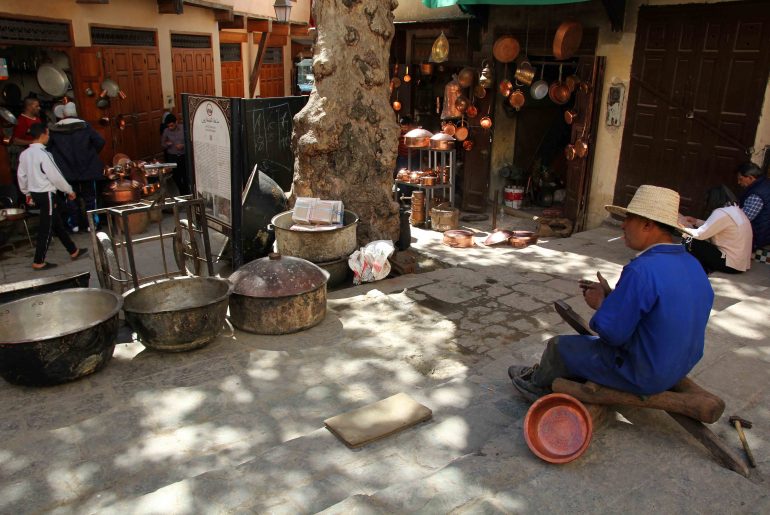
(193, 63)
(698, 80)
(232, 69)
(271, 82)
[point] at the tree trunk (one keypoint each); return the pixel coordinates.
(345, 139)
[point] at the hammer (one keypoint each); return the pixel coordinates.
(739, 424)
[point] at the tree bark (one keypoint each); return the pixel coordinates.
(345, 139)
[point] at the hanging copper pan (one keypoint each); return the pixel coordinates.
(581, 147)
(461, 134)
(468, 145)
(466, 77)
(506, 49)
(479, 91)
(567, 39)
(570, 115)
(570, 152)
(449, 129)
(462, 103)
(517, 99)
(472, 111)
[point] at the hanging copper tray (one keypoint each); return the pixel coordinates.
(567, 39)
(506, 49)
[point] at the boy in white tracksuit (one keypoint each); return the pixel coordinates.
(39, 179)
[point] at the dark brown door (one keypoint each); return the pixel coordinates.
(135, 119)
(699, 76)
(232, 79)
(271, 73)
(193, 72)
(88, 73)
(475, 170)
(578, 179)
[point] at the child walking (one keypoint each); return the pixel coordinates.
(39, 179)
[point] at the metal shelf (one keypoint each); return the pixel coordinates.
(434, 158)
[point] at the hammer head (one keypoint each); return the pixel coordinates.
(745, 423)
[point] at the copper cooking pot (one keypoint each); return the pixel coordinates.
(442, 141)
(569, 152)
(123, 191)
(570, 115)
(486, 122)
(428, 180)
(466, 77)
(403, 175)
(461, 134)
(415, 176)
(559, 93)
(517, 99)
(468, 145)
(462, 103)
(572, 81)
(505, 87)
(417, 138)
(448, 128)
(472, 111)
(581, 147)
(426, 69)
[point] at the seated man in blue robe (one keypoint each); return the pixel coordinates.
(651, 328)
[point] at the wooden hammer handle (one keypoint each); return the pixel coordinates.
(745, 443)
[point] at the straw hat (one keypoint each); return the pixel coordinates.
(654, 203)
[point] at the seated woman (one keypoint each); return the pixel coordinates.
(722, 243)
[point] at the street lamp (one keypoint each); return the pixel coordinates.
(282, 10)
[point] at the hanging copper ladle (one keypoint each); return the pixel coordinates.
(486, 120)
(407, 77)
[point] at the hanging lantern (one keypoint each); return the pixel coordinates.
(440, 51)
(487, 78)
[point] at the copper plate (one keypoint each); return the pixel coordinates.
(506, 49)
(558, 428)
(458, 238)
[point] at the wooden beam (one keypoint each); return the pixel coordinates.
(254, 75)
(233, 37)
(170, 6)
(238, 22)
(275, 40)
(92, 1)
(280, 29)
(299, 30)
(259, 25)
(223, 15)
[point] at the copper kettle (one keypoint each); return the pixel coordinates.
(487, 78)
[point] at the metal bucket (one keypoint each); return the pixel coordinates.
(317, 247)
(56, 337)
(444, 218)
(178, 314)
(339, 271)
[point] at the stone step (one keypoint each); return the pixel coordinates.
(316, 471)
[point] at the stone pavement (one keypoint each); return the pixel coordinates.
(238, 426)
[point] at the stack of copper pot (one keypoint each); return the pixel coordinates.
(418, 208)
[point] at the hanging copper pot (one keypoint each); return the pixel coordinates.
(505, 87)
(567, 39)
(570, 115)
(468, 145)
(572, 82)
(472, 111)
(506, 49)
(486, 122)
(426, 69)
(581, 147)
(441, 141)
(517, 99)
(449, 128)
(466, 77)
(479, 91)
(417, 138)
(462, 103)
(396, 105)
(461, 134)
(570, 152)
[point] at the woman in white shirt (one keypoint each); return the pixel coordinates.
(722, 243)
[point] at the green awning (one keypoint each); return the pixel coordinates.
(435, 4)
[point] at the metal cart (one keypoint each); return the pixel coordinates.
(114, 249)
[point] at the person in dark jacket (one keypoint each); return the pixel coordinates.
(755, 201)
(75, 147)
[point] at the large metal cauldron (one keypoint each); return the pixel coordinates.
(317, 247)
(278, 295)
(178, 314)
(57, 337)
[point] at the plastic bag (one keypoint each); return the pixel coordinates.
(370, 263)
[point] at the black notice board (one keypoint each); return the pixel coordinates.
(267, 126)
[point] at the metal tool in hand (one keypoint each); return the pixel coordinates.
(739, 423)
